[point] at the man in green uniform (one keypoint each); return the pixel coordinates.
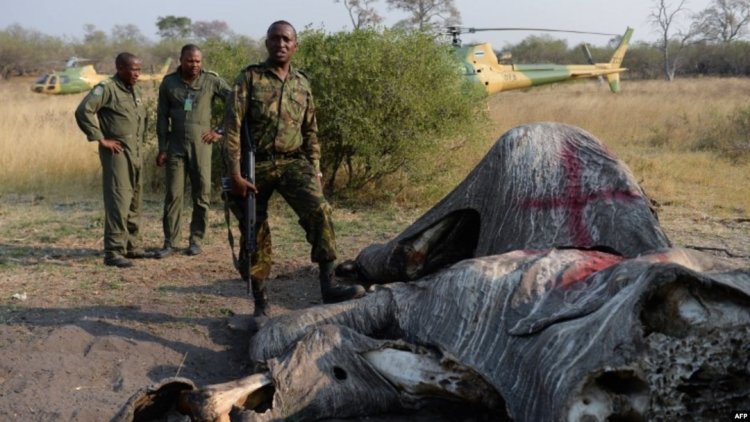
(113, 115)
(183, 127)
(275, 102)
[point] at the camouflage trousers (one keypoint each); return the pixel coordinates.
(295, 180)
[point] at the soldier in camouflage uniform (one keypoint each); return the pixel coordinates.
(113, 115)
(183, 127)
(275, 101)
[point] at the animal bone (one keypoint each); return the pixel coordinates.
(214, 402)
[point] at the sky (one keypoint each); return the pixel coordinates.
(252, 17)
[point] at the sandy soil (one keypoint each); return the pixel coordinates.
(83, 362)
(78, 338)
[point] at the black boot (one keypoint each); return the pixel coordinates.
(333, 292)
(260, 296)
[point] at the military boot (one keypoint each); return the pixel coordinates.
(260, 296)
(333, 292)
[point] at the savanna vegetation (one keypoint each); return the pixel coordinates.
(398, 133)
(687, 142)
(399, 125)
(390, 104)
(387, 101)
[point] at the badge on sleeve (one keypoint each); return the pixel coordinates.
(98, 90)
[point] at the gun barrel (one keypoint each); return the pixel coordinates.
(250, 212)
(250, 206)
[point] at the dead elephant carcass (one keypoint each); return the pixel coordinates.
(541, 186)
(559, 335)
(533, 336)
(520, 326)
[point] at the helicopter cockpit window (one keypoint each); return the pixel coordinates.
(42, 79)
(52, 82)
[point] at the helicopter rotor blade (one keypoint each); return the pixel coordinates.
(587, 53)
(469, 30)
(455, 31)
(73, 61)
(590, 58)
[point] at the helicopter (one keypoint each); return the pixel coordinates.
(481, 65)
(75, 78)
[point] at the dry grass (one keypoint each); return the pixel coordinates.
(43, 149)
(44, 152)
(652, 125)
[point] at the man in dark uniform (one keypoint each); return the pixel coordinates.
(275, 101)
(114, 115)
(183, 127)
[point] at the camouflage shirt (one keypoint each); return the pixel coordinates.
(112, 110)
(281, 115)
(184, 110)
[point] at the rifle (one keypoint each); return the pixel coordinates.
(248, 172)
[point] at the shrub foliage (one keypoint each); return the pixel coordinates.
(388, 102)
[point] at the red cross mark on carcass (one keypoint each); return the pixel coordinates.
(575, 200)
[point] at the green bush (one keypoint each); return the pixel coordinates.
(544, 49)
(228, 57)
(390, 103)
(728, 136)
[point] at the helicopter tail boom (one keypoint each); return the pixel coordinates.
(613, 79)
(619, 53)
(159, 75)
(616, 61)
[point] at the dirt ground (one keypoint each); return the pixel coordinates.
(77, 338)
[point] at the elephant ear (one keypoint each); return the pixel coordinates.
(563, 285)
(155, 402)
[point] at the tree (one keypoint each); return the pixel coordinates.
(663, 18)
(423, 13)
(128, 38)
(24, 51)
(361, 13)
(723, 21)
(541, 49)
(643, 61)
(228, 56)
(174, 26)
(95, 45)
(92, 35)
(128, 32)
(205, 30)
(388, 102)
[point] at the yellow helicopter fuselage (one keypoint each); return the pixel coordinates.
(481, 64)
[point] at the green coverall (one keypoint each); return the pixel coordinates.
(183, 115)
(113, 111)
